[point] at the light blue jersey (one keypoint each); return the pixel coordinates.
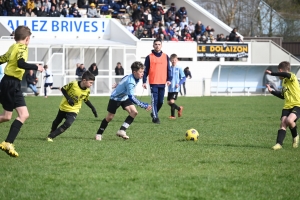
(178, 78)
(125, 90)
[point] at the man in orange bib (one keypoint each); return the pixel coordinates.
(157, 67)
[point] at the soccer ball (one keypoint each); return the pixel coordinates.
(192, 134)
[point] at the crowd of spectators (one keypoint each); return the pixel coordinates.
(146, 18)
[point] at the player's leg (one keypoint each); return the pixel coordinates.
(5, 116)
(111, 109)
(53, 88)
(45, 89)
(154, 101)
(171, 104)
(132, 111)
(291, 122)
(184, 90)
(70, 118)
(282, 131)
(18, 103)
(161, 96)
(58, 119)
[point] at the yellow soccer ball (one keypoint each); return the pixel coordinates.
(192, 134)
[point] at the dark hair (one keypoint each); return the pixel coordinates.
(285, 66)
(87, 75)
(22, 32)
(136, 66)
(45, 66)
(157, 40)
(93, 64)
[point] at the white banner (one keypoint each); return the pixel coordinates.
(54, 27)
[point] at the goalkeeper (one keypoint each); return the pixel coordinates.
(74, 93)
(123, 96)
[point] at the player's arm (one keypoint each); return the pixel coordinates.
(65, 93)
(147, 68)
(24, 65)
(3, 58)
(182, 75)
(282, 74)
(133, 99)
(277, 94)
(169, 72)
(90, 105)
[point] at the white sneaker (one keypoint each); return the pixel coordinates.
(122, 134)
(98, 137)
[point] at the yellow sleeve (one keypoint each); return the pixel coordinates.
(4, 58)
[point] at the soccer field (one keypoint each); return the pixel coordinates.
(231, 160)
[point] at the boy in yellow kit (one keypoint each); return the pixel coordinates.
(10, 87)
(74, 93)
(291, 110)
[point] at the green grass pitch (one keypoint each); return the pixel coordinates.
(231, 160)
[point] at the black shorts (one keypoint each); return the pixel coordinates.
(172, 95)
(287, 112)
(48, 84)
(114, 105)
(11, 96)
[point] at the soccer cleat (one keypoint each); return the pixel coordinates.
(9, 149)
(98, 137)
(296, 142)
(180, 111)
(277, 147)
(50, 139)
(171, 117)
(156, 121)
(122, 134)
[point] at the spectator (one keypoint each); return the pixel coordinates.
(32, 81)
(147, 16)
(145, 34)
(148, 25)
(47, 5)
(13, 12)
(8, 4)
(221, 38)
(137, 13)
(234, 37)
(188, 37)
(30, 5)
(184, 31)
(202, 39)
(80, 70)
(191, 27)
(188, 75)
(92, 11)
(119, 72)
(200, 27)
(170, 31)
(42, 12)
(169, 18)
(94, 69)
(162, 33)
(181, 13)
(157, 18)
(53, 3)
(139, 32)
(82, 4)
(183, 23)
(152, 33)
(54, 12)
(2, 8)
(74, 10)
(129, 27)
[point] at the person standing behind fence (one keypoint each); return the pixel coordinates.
(160, 73)
(80, 70)
(48, 81)
(119, 70)
(94, 70)
(187, 74)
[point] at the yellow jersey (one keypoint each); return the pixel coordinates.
(14, 53)
(291, 92)
(77, 94)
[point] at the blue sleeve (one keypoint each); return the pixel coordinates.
(132, 98)
(182, 76)
(169, 74)
(147, 67)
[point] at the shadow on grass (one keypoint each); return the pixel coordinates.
(229, 145)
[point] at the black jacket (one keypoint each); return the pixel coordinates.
(119, 71)
(30, 79)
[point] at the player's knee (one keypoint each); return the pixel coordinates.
(6, 118)
(134, 113)
(66, 125)
(109, 118)
(24, 116)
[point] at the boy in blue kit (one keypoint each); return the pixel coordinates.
(177, 80)
(123, 96)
